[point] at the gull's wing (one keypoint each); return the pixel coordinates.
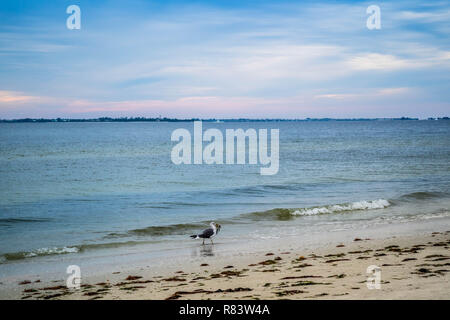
(206, 233)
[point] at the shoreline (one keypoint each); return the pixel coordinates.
(412, 267)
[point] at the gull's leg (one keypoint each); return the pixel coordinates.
(211, 241)
(203, 242)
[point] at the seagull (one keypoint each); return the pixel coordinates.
(208, 233)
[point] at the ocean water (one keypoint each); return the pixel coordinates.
(68, 189)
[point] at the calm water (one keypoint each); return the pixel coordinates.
(68, 188)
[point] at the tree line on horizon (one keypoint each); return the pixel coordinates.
(165, 119)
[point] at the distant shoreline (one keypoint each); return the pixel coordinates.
(144, 119)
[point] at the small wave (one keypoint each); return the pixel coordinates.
(9, 221)
(110, 245)
(423, 195)
(273, 214)
(39, 252)
(354, 206)
(165, 230)
(287, 214)
(12, 256)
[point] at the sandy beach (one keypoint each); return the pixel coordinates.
(412, 267)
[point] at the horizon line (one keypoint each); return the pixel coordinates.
(167, 119)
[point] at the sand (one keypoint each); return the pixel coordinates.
(411, 267)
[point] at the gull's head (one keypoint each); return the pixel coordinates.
(215, 225)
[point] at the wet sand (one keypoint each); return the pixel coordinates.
(412, 267)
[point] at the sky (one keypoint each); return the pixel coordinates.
(224, 59)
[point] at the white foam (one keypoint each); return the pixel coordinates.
(49, 251)
(359, 205)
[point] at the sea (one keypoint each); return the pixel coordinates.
(109, 190)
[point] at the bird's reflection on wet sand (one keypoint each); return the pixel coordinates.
(206, 250)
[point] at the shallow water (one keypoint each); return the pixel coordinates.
(71, 188)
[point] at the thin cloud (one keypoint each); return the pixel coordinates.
(368, 94)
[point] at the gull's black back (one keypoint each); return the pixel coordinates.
(206, 233)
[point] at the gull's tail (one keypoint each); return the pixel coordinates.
(194, 236)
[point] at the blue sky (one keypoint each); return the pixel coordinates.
(276, 59)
